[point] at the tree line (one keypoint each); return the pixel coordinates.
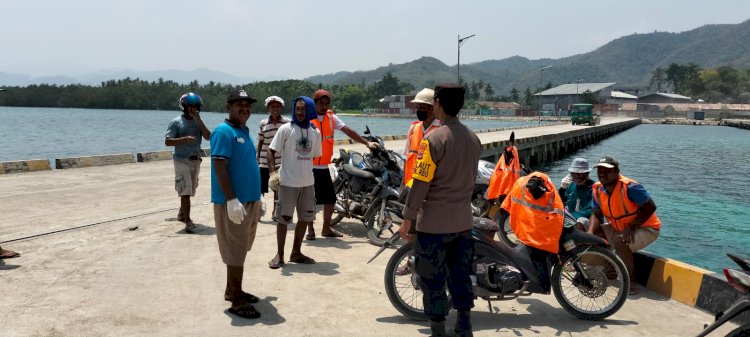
(723, 84)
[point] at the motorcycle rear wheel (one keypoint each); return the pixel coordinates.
(403, 290)
(609, 280)
(381, 223)
(742, 331)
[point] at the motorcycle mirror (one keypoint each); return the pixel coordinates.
(367, 129)
(387, 244)
(512, 139)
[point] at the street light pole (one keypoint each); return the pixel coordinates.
(461, 42)
(541, 86)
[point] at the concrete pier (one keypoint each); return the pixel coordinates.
(103, 256)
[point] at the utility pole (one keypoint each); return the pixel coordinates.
(461, 42)
(541, 87)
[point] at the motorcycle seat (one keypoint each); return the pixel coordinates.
(349, 169)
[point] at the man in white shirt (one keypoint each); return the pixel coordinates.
(298, 142)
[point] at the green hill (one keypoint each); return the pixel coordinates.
(628, 61)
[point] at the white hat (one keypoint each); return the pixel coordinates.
(579, 165)
(426, 96)
(274, 99)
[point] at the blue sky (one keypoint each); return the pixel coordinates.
(296, 38)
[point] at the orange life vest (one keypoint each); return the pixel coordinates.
(326, 129)
(537, 223)
(505, 176)
(618, 208)
(416, 133)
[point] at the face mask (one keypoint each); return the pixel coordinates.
(421, 115)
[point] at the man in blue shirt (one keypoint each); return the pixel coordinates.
(185, 132)
(235, 193)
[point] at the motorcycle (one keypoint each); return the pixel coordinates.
(587, 278)
(740, 280)
(367, 189)
(479, 205)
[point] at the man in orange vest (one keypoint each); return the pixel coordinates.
(630, 212)
(325, 195)
(425, 125)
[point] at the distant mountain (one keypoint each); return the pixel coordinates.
(203, 76)
(628, 61)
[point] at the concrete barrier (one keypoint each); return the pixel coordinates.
(24, 166)
(144, 157)
(78, 162)
(687, 284)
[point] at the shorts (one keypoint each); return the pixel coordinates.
(301, 198)
(642, 237)
(235, 240)
(324, 191)
(186, 174)
(264, 175)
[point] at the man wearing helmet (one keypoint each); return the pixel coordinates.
(184, 133)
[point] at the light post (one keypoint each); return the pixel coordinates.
(577, 82)
(461, 42)
(539, 111)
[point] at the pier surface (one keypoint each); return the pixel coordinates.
(129, 270)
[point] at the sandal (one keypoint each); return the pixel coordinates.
(310, 236)
(302, 259)
(275, 263)
(633, 290)
(248, 297)
(8, 254)
(333, 234)
(248, 312)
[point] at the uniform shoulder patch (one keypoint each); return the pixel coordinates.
(424, 170)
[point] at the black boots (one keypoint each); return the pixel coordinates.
(463, 324)
(438, 328)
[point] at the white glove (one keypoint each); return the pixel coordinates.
(236, 211)
(566, 181)
(274, 182)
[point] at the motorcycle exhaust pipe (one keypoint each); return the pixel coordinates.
(339, 208)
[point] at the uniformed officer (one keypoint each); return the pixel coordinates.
(445, 170)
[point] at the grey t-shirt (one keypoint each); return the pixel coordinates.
(181, 127)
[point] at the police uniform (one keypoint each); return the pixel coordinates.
(440, 201)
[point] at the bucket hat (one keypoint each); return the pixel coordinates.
(579, 165)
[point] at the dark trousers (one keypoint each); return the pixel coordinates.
(441, 258)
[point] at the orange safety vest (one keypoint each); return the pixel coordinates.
(618, 208)
(537, 223)
(505, 176)
(326, 129)
(415, 136)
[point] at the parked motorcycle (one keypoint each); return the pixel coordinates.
(367, 189)
(740, 280)
(588, 279)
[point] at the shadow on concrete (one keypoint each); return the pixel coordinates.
(512, 321)
(269, 315)
(200, 229)
(320, 268)
(4, 266)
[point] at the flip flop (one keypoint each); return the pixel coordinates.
(248, 297)
(633, 290)
(248, 312)
(310, 236)
(333, 234)
(302, 259)
(275, 263)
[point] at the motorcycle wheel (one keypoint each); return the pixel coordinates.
(403, 290)
(505, 233)
(381, 223)
(742, 331)
(338, 186)
(608, 278)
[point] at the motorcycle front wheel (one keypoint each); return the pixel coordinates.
(382, 223)
(742, 331)
(402, 284)
(505, 233)
(591, 283)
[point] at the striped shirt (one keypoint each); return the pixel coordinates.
(265, 136)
